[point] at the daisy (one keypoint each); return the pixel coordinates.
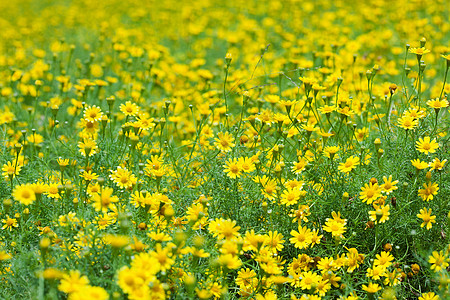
(349, 164)
(24, 193)
(224, 142)
(426, 145)
(427, 218)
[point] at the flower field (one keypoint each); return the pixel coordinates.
(224, 149)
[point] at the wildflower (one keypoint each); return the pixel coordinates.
(163, 256)
(104, 200)
(326, 109)
(53, 191)
(429, 296)
(269, 186)
(301, 238)
(233, 168)
(389, 186)
(247, 278)
(274, 241)
(88, 176)
(123, 178)
(224, 142)
(331, 151)
(299, 166)
(336, 228)
(426, 146)
(10, 223)
(309, 279)
(291, 196)
(419, 52)
(104, 220)
(407, 122)
(370, 193)
(10, 170)
(383, 259)
(129, 109)
(437, 164)
(371, 288)
(92, 113)
(116, 241)
(90, 292)
(361, 134)
(224, 229)
(437, 104)
(300, 214)
(438, 261)
(88, 147)
(309, 127)
(229, 261)
(380, 214)
(247, 164)
(418, 164)
(430, 189)
(73, 282)
(24, 193)
(349, 164)
(4, 256)
(354, 259)
(427, 218)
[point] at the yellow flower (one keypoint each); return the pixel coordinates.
(116, 241)
(429, 191)
(90, 292)
(426, 146)
(376, 272)
(336, 228)
(389, 186)
(429, 296)
(291, 196)
(299, 166)
(246, 278)
(129, 108)
(104, 200)
(370, 192)
(10, 170)
(73, 282)
(88, 147)
(24, 193)
(371, 288)
(224, 229)
(419, 51)
(163, 256)
(380, 214)
(53, 191)
(309, 279)
(407, 122)
(438, 261)
(437, 104)
(123, 178)
(330, 151)
(349, 164)
(326, 109)
(418, 164)
(92, 113)
(383, 259)
(437, 164)
(233, 168)
(224, 141)
(10, 223)
(4, 256)
(427, 218)
(301, 238)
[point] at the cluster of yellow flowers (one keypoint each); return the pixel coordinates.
(165, 150)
